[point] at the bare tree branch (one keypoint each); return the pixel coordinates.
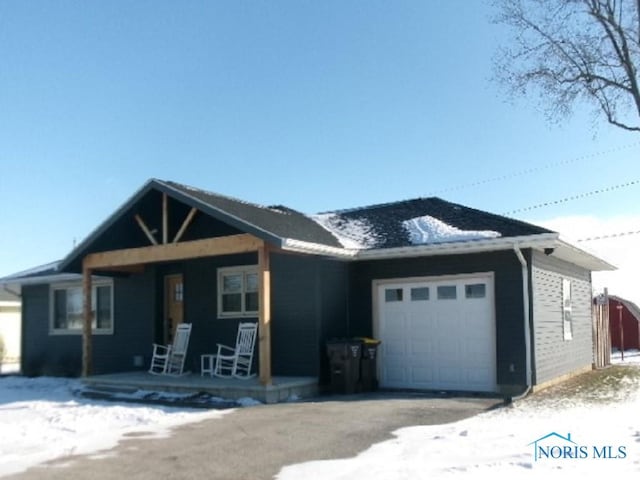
(575, 50)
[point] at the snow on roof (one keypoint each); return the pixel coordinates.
(351, 233)
(427, 229)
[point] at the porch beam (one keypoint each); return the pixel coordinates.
(185, 224)
(145, 229)
(264, 314)
(87, 317)
(165, 218)
(207, 247)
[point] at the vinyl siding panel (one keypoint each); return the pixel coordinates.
(309, 305)
(554, 356)
(47, 354)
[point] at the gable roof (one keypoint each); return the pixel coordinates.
(422, 226)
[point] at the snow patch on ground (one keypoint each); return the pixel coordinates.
(351, 233)
(42, 419)
(631, 357)
(427, 229)
(498, 444)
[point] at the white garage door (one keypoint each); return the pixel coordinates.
(437, 333)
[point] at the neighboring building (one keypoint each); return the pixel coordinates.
(630, 316)
(462, 299)
(9, 327)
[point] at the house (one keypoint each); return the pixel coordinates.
(9, 327)
(626, 314)
(462, 299)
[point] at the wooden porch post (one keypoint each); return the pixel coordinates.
(86, 321)
(264, 314)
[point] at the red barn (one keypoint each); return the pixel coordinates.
(630, 323)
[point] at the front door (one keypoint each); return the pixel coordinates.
(173, 309)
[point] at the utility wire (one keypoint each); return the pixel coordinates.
(574, 197)
(610, 235)
(529, 171)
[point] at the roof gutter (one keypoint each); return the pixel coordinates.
(527, 326)
(541, 241)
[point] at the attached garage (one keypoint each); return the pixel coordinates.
(437, 332)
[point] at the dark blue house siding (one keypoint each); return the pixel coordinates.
(48, 354)
(511, 361)
(553, 355)
(201, 305)
(309, 305)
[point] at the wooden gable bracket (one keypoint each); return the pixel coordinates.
(185, 224)
(146, 230)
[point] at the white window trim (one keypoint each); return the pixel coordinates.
(567, 326)
(75, 331)
(243, 270)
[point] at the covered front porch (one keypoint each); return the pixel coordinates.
(280, 389)
(226, 262)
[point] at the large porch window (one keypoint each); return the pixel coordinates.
(238, 291)
(66, 309)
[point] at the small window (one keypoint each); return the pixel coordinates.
(475, 290)
(567, 327)
(393, 295)
(419, 294)
(178, 292)
(67, 309)
(238, 291)
(447, 292)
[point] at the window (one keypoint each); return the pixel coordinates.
(393, 295)
(566, 309)
(475, 290)
(66, 309)
(419, 293)
(447, 292)
(237, 291)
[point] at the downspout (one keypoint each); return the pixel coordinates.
(527, 326)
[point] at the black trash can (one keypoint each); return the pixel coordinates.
(344, 363)
(368, 370)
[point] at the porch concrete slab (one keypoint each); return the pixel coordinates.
(281, 389)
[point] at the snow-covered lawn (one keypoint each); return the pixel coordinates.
(41, 419)
(497, 444)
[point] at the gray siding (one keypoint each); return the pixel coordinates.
(554, 356)
(511, 366)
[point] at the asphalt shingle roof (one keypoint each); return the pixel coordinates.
(278, 220)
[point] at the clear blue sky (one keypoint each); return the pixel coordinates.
(317, 105)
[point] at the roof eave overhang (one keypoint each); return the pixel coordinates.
(541, 242)
(570, 253)
(453, 248)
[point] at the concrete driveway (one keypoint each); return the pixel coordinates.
(256, 442)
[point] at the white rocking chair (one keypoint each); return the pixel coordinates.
(169, 359)
(236, 362)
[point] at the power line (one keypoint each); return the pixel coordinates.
(574, 197)
(609, 235)
(529, 171)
